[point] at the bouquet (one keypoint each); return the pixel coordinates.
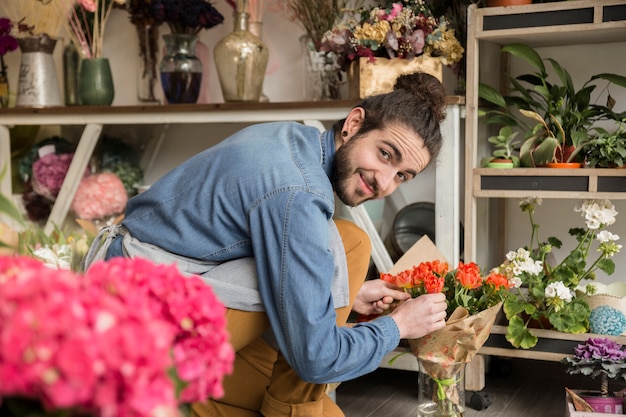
(404, 29)
(127, 338)
(544, 294)
(184, 17)
(474, 299)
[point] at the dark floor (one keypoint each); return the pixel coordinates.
(515, 387)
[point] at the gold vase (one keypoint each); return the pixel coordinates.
(367, 78)
(241, 60)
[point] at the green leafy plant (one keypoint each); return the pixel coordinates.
(505, 146)
(544, 294)
(607, 149)
(562, 114)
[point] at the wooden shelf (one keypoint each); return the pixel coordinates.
(550, 183)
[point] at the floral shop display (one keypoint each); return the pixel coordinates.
(8, 43)
(474, 300)
(544, 295)
(126, 338)
(603, 359)
(241, 59)
(404, 35)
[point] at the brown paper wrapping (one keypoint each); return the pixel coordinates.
(460, 340)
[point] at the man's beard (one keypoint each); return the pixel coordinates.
(343, 170)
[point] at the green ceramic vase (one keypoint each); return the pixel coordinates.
(95, 83)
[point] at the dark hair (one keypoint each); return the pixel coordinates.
(417, 101)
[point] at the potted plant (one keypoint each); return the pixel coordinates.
(602, 358)
(564, 114)
(504, 147)
(607, 149)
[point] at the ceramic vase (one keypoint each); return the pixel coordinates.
(95, 82)
(181, 70)
(38, 85)
(441, 389)
(241, 60)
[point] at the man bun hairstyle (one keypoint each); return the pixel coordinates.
(418, 101)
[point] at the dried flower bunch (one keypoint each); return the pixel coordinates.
(127, 338)
(464, 287)
(185, 17)
(403, 29)
(33, 18)
(8, 42)
(545, 292)
(598, 357)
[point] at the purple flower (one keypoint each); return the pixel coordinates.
(7, 42)
(603, 349)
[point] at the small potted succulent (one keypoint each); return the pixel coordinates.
(504, 147)
(607, 149)
(602, 358)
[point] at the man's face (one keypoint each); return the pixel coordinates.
(373, 165)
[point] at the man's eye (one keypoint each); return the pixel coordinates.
(403, 177)
(386, 155)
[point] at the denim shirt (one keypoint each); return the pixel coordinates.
(265, 192)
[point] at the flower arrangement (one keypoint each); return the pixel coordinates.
(127, 338)
(473, 303)
(183, 17)
(404, 29)
(99, 196)
(596, 357)
(86, 22)
(8, 42)
(545, 294)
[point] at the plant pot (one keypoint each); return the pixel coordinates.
(501, 164)
(499, 3)
(564, 165)
(608, 314)
(605, 405)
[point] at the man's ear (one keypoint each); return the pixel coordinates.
(352, 124)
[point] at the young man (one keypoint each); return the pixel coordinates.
(253, 216)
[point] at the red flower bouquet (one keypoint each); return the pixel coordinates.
(128, 338)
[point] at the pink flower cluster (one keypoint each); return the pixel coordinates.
(49, 172)
(108, 342)
(99, 196)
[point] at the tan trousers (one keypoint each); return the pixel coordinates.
(262, 380)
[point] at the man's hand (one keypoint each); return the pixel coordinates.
(419, 316)
(376, 296)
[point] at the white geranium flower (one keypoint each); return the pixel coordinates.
(515, 282)
(559, 290)
(597, 213)
(57, 257)
(606, 236)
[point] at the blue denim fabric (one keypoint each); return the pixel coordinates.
(265, 192)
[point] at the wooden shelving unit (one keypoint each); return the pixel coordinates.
(539, 25)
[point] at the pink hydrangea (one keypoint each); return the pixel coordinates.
(49, 172)
(99, 196)
(105, 342)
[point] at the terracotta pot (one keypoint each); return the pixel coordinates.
(496, 3)
(564, 165)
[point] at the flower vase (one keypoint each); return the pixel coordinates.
(441, 389)
(323, 78)
(4, 89)
(148, 36)
(256, 28)
(71, 69)
(181, 70)
(38, 85)
(95, 82)
(241, 59)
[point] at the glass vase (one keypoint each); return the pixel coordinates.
(148, 36)
(181, 70)
(441, 389)
(95, 82)
(71, 69)
(38, 85)
(323, 78)
(4, 89)
(241, 60)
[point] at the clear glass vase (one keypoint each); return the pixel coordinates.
(241, 60)
(181, 70)
(148, 37)
(323, 78)
(441, 389)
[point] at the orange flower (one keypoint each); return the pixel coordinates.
(498, 281)
(469, 275)
(434, 284)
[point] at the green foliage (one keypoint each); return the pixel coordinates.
(557, 115)
(505, 146)
(607, 149)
